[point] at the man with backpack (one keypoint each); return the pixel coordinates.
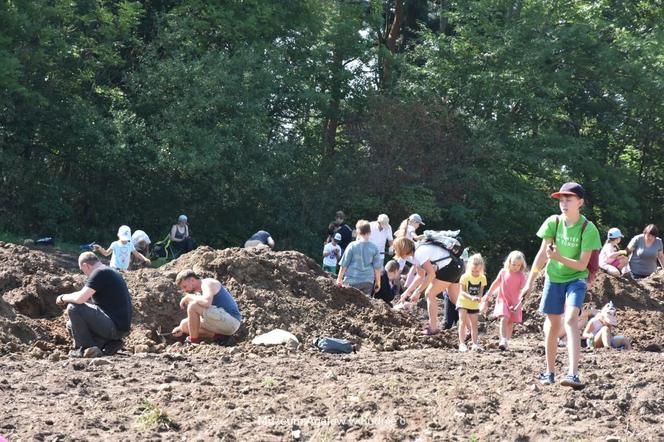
(569, 243)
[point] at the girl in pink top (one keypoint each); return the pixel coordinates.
(507, 287)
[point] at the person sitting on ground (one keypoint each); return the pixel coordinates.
(141, 242)
(361, 262)
(644, 251)
(473, 283)
(121, 250)
(339, 226)
(389, 283)
(332, 254)
(181, 240)
(611, 258)
(260, 238)
(97, 327)
(381, 233)
(599, 330)
(211, 310)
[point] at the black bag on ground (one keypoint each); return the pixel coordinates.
(327, 344)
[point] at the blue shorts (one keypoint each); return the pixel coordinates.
(558, 294)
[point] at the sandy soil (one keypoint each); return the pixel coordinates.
(398, 386)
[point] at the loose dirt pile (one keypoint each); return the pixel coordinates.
(284, 290)
(640, 306)
(290, 291)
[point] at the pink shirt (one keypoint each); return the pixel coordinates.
(510, 289)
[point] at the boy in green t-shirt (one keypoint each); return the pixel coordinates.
(567, 247)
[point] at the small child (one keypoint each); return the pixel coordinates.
(599, 331)
(509, 282)
(611, 258)
(122, 250)
(332, 254)
(390, 283)
(473, 283)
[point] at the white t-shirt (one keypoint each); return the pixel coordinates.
(121, 254)
(379, 237)
(607, 249)
(430, 252)
(139, 236)
(331, 259)
(410, 232)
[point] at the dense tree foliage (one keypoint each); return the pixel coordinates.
(259, 114)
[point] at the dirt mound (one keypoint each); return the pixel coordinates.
(640, 307)
(29, 283)
(274, 290)
(284, 290)
(289, 290)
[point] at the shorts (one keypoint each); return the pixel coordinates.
(452, 272)
(470, 311)
(615, 263)
(558, 294)
(218, 320)
(331, 269)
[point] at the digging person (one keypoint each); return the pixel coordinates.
(211, 310)
(97, 327)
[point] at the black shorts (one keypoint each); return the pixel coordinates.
(473, 311)
(452, 272)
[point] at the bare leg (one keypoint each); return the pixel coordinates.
(194, 312)
(473, 328)
(463, 325)
(503, 327)
(431, 293)
(573, 344)
(510, 328)
(551, 331)
(605, 336)
(612, 270)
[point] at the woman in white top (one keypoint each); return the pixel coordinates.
(437, 270)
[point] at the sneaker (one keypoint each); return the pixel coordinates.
(92, 352)
(192, 341)
(111, 348)
(76, 353)
(546, 378)
(572, 380)
(502, 344)
(477, 348)
(463, 348)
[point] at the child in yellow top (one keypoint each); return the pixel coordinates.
(473, 283)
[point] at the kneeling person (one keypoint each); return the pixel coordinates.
(97, 327)
(211, 310)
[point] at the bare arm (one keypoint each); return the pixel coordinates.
(660, 258)
(138, 255)
(492, 288)
(586, 332)
(340, 276)
(78, 297)
(538, 264)
(102, 250)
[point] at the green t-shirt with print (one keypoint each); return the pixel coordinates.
(570, 243)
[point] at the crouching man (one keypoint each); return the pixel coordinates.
(211, 310)
(97, 327)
